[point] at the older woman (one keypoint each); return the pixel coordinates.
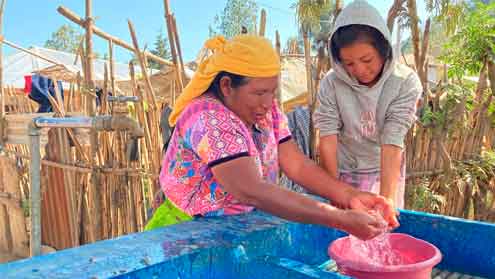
(230, 140)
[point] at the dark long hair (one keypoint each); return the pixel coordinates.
(349, 34)
(236, 81)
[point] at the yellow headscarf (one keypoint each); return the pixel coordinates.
(246, 55)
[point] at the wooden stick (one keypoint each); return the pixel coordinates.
(171, 37)
(31, 52)
(279, 89)
(309, 79)
(137, 52)
(59, 100)
(89, 79)
(112, 71)
(87, 169)
(79, 21)
(2, 97)
(309, 84)
(171, 40)
(68, 98)
(262, 22)
(89, 74)
(179, 53)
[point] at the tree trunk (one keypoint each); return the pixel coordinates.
(336, 11)
(413, 14)
(393, 13)
(423, 60)
(491, 75)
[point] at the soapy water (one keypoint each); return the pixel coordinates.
(377, 251)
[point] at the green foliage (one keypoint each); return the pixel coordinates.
(66, 38)
(314, 15)
(161, 49)
(423, 198)
(473, 43)
(236, 15)
(472, 180)
(454, 105)
(449, 13)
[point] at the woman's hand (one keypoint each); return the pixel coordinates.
(367, 202)
(360, 224)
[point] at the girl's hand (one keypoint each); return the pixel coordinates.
(367, 202)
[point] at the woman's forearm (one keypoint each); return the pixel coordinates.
(314, 178)
(391, 158)
(295, 207)
(321, 183)
(253, 190)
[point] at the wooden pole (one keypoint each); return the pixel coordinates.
(170, 28)
(148, 146)
(91, 109)
(138, 53)
(112, 71)
(3, 207)
(262, 22)
(152, 114)
(307, 58)
(30, 52)
(309, 83)
(2, 102)
(179, 52)
(79, 21)
(171, 40)
(279, 89)
(89, 49)
(277, 42)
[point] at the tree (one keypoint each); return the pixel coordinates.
(294, 45)
(66, 38)
(235, 15)
(161, 49)
(438, 38)
(473, 44)
(309, 15)
(314, 15)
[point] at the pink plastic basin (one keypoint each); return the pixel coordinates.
(421, 258)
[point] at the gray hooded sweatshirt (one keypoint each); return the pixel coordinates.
(364, 118)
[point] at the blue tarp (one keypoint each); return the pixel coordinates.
(40, 88)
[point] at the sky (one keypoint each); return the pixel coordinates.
(31, 22)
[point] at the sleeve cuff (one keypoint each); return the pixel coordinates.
(226, 159)
(287, 138)
(394, 140)
(328, 132)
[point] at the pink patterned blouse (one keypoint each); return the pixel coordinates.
(207, 134)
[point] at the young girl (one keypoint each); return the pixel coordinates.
(367, 103)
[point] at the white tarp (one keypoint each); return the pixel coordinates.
(20, 64)
(293, 77)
